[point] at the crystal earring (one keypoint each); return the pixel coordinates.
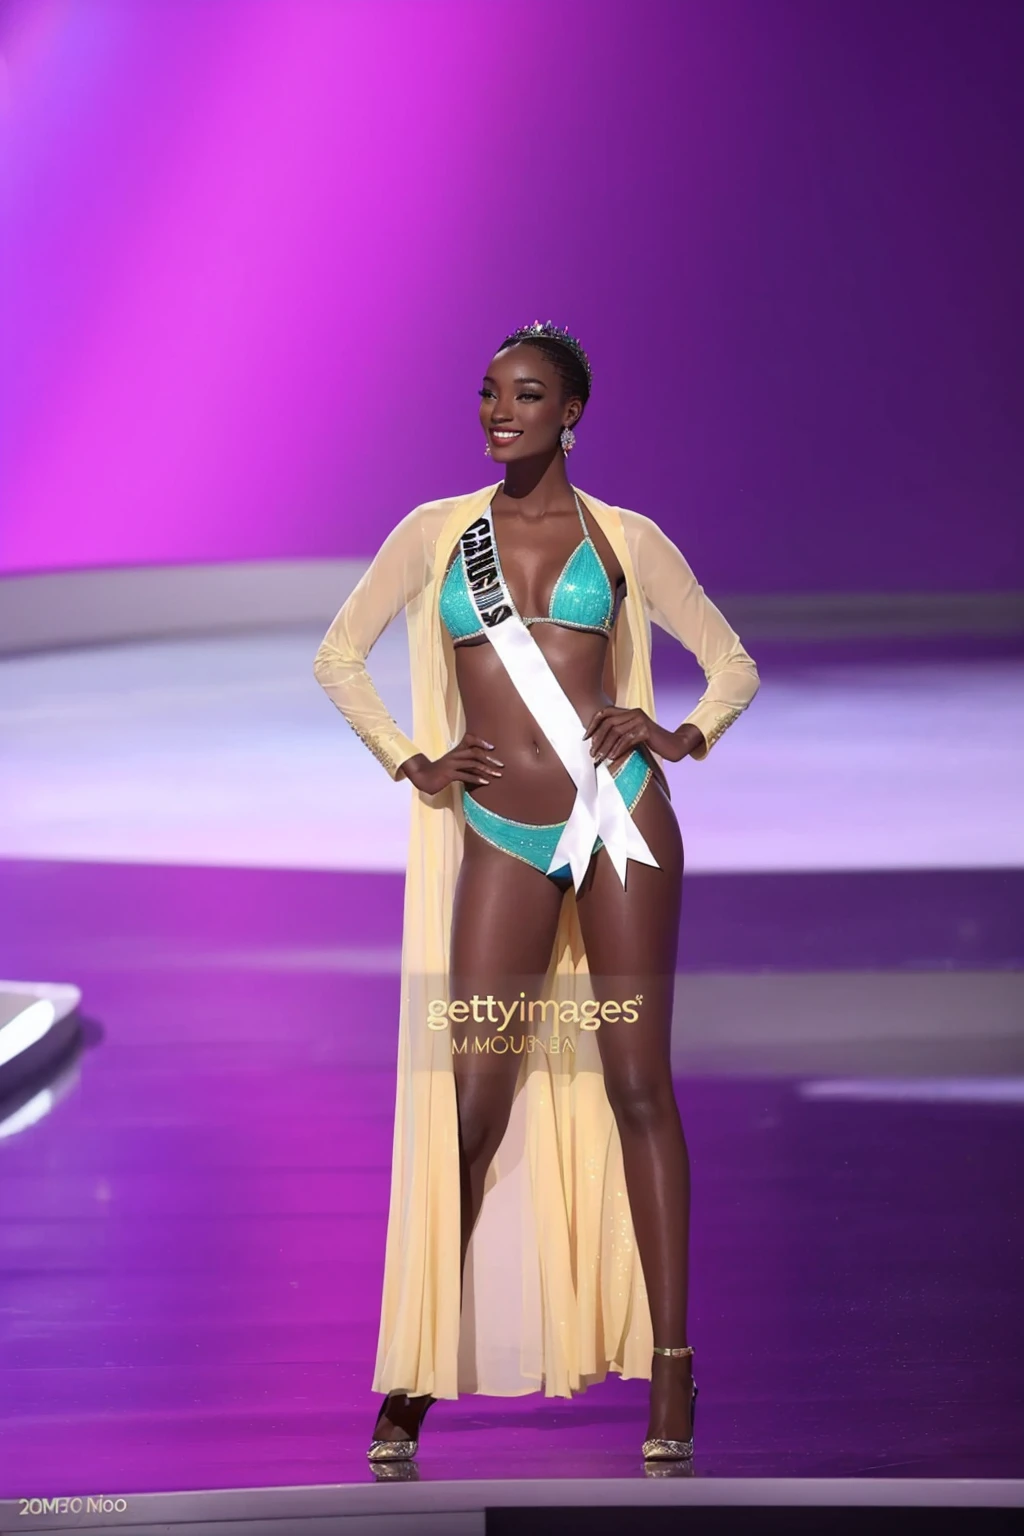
(487, 449)
(567, 439)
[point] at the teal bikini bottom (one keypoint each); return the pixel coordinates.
(536, 844)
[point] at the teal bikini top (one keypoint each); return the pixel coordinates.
(581, 598)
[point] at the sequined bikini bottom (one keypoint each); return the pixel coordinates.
(536, 844)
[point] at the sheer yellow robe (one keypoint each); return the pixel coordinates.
(554, 1291)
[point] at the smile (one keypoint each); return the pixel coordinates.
(504, 437)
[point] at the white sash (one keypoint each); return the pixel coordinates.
(599, 809)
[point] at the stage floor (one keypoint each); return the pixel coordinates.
(193, 1213)
(193, 1221)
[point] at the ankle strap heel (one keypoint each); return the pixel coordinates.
(673, 1450)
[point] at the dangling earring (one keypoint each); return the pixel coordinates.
(567, 439)
(487, 449)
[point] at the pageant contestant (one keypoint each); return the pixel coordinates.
(538, 1224)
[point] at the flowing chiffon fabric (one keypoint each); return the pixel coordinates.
(554, 1293)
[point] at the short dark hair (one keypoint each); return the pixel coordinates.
(575, 384)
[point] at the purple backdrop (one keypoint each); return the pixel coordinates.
(259, 252)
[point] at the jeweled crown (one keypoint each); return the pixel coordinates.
(554, 333)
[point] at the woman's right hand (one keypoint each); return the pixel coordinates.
(469, 762)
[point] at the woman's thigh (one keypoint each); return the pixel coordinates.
(631, 937)
(504, 920)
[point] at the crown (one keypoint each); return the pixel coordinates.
(553, 333)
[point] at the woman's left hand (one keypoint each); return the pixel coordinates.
(616, 731)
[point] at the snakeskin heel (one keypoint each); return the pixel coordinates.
(657, 1449)
(396, 1450)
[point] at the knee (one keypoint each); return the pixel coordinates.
(481, 1127)
(643, 1107)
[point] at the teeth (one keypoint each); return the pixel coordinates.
(508, 435)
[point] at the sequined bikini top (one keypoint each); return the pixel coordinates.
(581, 598)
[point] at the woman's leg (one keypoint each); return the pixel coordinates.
(504, 920)
(631, 938)
(503, 928)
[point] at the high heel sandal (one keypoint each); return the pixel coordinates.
(657, 1449)
(397, 1450)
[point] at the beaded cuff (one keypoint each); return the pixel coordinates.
(711, 725)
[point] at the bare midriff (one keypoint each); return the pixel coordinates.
(534, 786)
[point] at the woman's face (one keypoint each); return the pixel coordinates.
(521, 405)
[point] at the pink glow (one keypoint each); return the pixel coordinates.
(252, 247)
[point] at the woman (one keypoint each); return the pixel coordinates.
(539, 1216)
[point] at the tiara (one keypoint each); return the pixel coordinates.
(553, 333)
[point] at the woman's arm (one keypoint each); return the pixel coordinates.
(398, 571)
(678, 603)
